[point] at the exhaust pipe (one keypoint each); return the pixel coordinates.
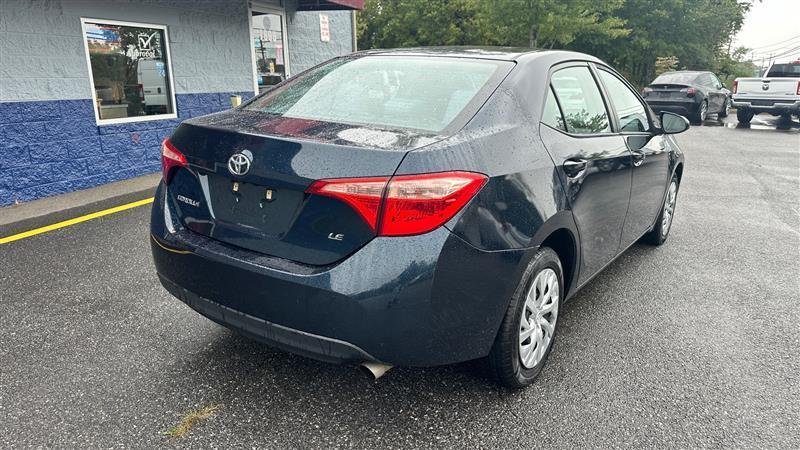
(376, 369)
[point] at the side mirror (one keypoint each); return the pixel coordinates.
(672, 123)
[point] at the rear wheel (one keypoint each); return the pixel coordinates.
(660, 231)
(744, 115)
(701, 114)
(526, 335)
(725, 107)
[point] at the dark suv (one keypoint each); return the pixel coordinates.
(414, 207)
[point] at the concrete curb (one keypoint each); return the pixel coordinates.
(37, 213)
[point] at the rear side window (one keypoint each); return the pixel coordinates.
(421, 93)
(629, 110)
(790, 70)
(580, 100)
(552, 114)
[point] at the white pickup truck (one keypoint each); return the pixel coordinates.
(778, 93)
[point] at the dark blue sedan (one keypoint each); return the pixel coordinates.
(414, 207)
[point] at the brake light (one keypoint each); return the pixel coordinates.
(689, 91)
(646, 91)
(798, 88)
(404, 205)
(362, 194)
(735, 86)
(171, 158)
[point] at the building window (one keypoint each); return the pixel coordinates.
(129, 69)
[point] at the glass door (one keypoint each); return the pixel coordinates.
(269, 46)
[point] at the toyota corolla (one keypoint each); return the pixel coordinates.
(415, 207)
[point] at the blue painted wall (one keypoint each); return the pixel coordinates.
(53, 147)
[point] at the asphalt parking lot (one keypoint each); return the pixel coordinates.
(693, 344)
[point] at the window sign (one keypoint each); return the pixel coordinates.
(129, 71)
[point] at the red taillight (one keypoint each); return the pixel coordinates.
(798, 88)
(689, 91)
(407, 204)
(735, 86)
(362, 194)
(646, 91)
(170, 158)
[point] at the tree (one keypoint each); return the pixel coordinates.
(548, 23)
(412, 23)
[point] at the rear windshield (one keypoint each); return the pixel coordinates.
(790, 70)
(675, 78)
(394, 92)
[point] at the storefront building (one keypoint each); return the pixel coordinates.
(90, 88)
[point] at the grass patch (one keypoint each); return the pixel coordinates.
(190, 420)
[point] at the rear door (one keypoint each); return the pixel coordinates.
(594, 162)
(714, 93)
(649, 154)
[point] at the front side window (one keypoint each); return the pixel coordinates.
(393, 92)
(580, 100)
(129, 70)
(630, 112)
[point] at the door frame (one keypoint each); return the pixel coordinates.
(261, 8)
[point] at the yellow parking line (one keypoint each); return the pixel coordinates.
(66, 223)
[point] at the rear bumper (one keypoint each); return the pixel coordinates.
(416, 301)
(306, 344)
(686, 107)
(773, 106)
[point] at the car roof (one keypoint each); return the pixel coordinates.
(482, 52)
(695, 72)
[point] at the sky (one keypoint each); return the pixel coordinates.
(772, 27)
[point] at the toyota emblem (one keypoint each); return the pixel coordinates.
(239, 163)
(765, 87)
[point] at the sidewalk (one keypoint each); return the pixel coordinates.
(45, 211)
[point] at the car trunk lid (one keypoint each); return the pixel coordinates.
(265, 208)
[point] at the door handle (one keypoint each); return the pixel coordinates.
(638, 157)
(574, 167)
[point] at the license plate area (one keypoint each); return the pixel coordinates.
(262, 210)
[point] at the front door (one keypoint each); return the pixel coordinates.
(594, 163)
(649, 154)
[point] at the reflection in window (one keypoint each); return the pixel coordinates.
(580, 100)
(422, 93)
(630, 111)
(269, 49)
(129, 70)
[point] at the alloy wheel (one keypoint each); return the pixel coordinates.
(669, 208)
(538, 319)
(703, 111)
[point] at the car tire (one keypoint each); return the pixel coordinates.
(702, 113)
(725, 107)
(658, 235)
(505, 360)
(744, 115)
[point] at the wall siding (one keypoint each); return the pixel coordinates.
(306, 50)
(49, 141)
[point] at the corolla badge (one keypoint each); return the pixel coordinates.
(239, 163)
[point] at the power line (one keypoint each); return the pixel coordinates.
(789, 47)
(775, 44)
